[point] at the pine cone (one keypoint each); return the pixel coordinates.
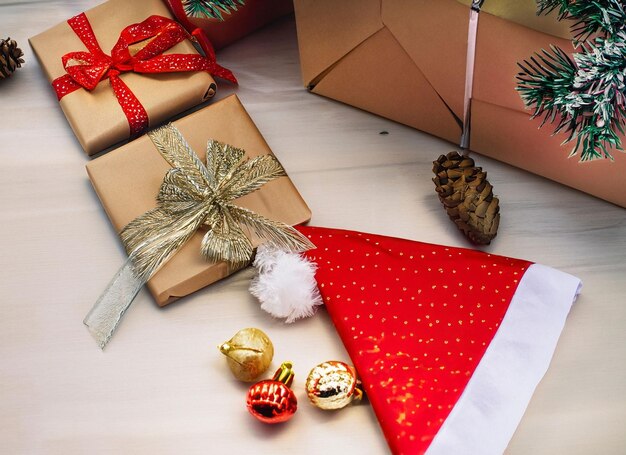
(10, 57)
(467, 196)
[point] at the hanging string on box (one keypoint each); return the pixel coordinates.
(472, 33)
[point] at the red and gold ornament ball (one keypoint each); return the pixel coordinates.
(272, 401)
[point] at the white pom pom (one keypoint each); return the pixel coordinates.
(285, 284)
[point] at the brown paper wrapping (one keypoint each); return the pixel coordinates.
(380, 63)
(128, 179)
(500, 124)
(405, 60)
(96, 117)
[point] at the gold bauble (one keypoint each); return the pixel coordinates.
(332, 385)
(248, 353)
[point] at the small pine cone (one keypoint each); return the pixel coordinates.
(467, 196)
(10, 57)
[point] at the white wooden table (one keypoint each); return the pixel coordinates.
(161, 386)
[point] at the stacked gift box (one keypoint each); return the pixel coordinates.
(127, 180)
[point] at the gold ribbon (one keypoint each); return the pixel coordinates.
(191, 196)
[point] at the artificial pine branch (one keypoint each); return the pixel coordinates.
(603, 16)
(585, 96)
(213, 9)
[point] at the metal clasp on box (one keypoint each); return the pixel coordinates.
(477, 4)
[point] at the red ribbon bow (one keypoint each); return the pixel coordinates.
(87, 69)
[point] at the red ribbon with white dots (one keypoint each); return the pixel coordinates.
(87, 69)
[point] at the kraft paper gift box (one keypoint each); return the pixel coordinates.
(96, 116)
(500, 125)
(128, 179)
(405, 60)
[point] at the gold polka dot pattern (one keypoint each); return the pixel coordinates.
(416, 320)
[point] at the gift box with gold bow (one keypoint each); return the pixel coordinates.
(406, 60)
(123, 67)
(133, 181)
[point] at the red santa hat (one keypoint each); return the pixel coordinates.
(449, 343)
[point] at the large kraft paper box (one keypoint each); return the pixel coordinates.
(96, 116)
(128, 179)
(405, 60)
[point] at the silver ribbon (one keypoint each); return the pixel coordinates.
(108, 310)
(193, 194)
